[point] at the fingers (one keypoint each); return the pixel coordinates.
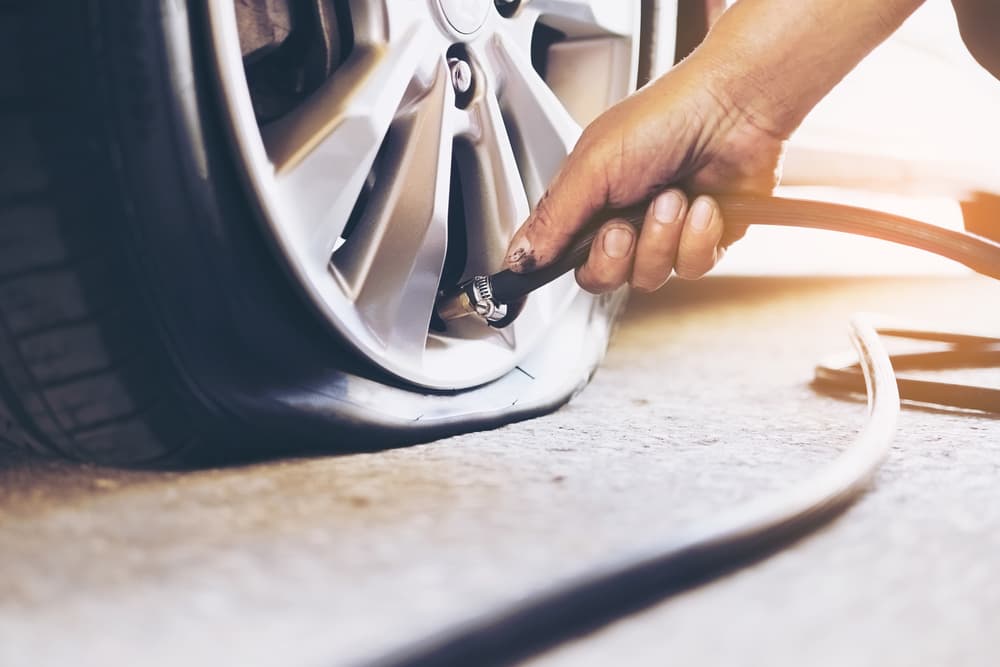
(610, 262)
(675, 237)
(658, 242)
(698, 250)
(576, 194)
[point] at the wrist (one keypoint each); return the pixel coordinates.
(774, 61)
(749, 85)
(723, 93)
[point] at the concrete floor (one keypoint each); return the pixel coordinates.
(703, 402)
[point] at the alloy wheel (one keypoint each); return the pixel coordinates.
(393, 147)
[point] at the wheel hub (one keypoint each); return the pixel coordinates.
(465, 16)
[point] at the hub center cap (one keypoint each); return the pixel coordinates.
(465, 16)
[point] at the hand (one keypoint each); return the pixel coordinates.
(680, 134)
(715, 123)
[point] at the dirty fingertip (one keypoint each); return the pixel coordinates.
(520, 255)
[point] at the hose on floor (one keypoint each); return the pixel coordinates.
(754, 531)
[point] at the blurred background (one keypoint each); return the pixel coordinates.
(908, 121)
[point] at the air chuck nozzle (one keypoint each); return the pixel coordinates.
(454, 304)
(500, 297)
(473, 297)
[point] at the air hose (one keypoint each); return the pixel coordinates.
(496, 297)
(754, 531)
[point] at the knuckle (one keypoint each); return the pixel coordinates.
(693, 269)
(644, 287)
(649, 281)
(593, 282)
(544, 232)
(591, 137)
(591, 288)
(584, 280)
(543, 220)
(600, 161)
(599, 287)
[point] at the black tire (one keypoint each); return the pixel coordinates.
(83, 374)
(144, 318)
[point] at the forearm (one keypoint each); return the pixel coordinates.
(979, 21)
(775, 59)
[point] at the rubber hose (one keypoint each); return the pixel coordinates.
(742, 211)
(707, 550)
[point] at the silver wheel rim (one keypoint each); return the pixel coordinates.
(390, 110)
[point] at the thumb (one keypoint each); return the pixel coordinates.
(576, 194)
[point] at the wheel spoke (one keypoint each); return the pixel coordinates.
(542, 130)
(391, 264)
(324, 150)
(491, 185)
(588, 18)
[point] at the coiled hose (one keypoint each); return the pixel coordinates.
(751, 532)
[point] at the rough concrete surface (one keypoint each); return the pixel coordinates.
(703, 402)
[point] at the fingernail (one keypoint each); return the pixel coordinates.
(518, 252)
(617, 242)
(701, 215)
(667, 207)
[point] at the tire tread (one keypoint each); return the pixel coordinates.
(78, 375)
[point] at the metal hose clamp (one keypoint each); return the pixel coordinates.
(486, 307)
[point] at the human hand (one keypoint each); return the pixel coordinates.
(680, 134)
